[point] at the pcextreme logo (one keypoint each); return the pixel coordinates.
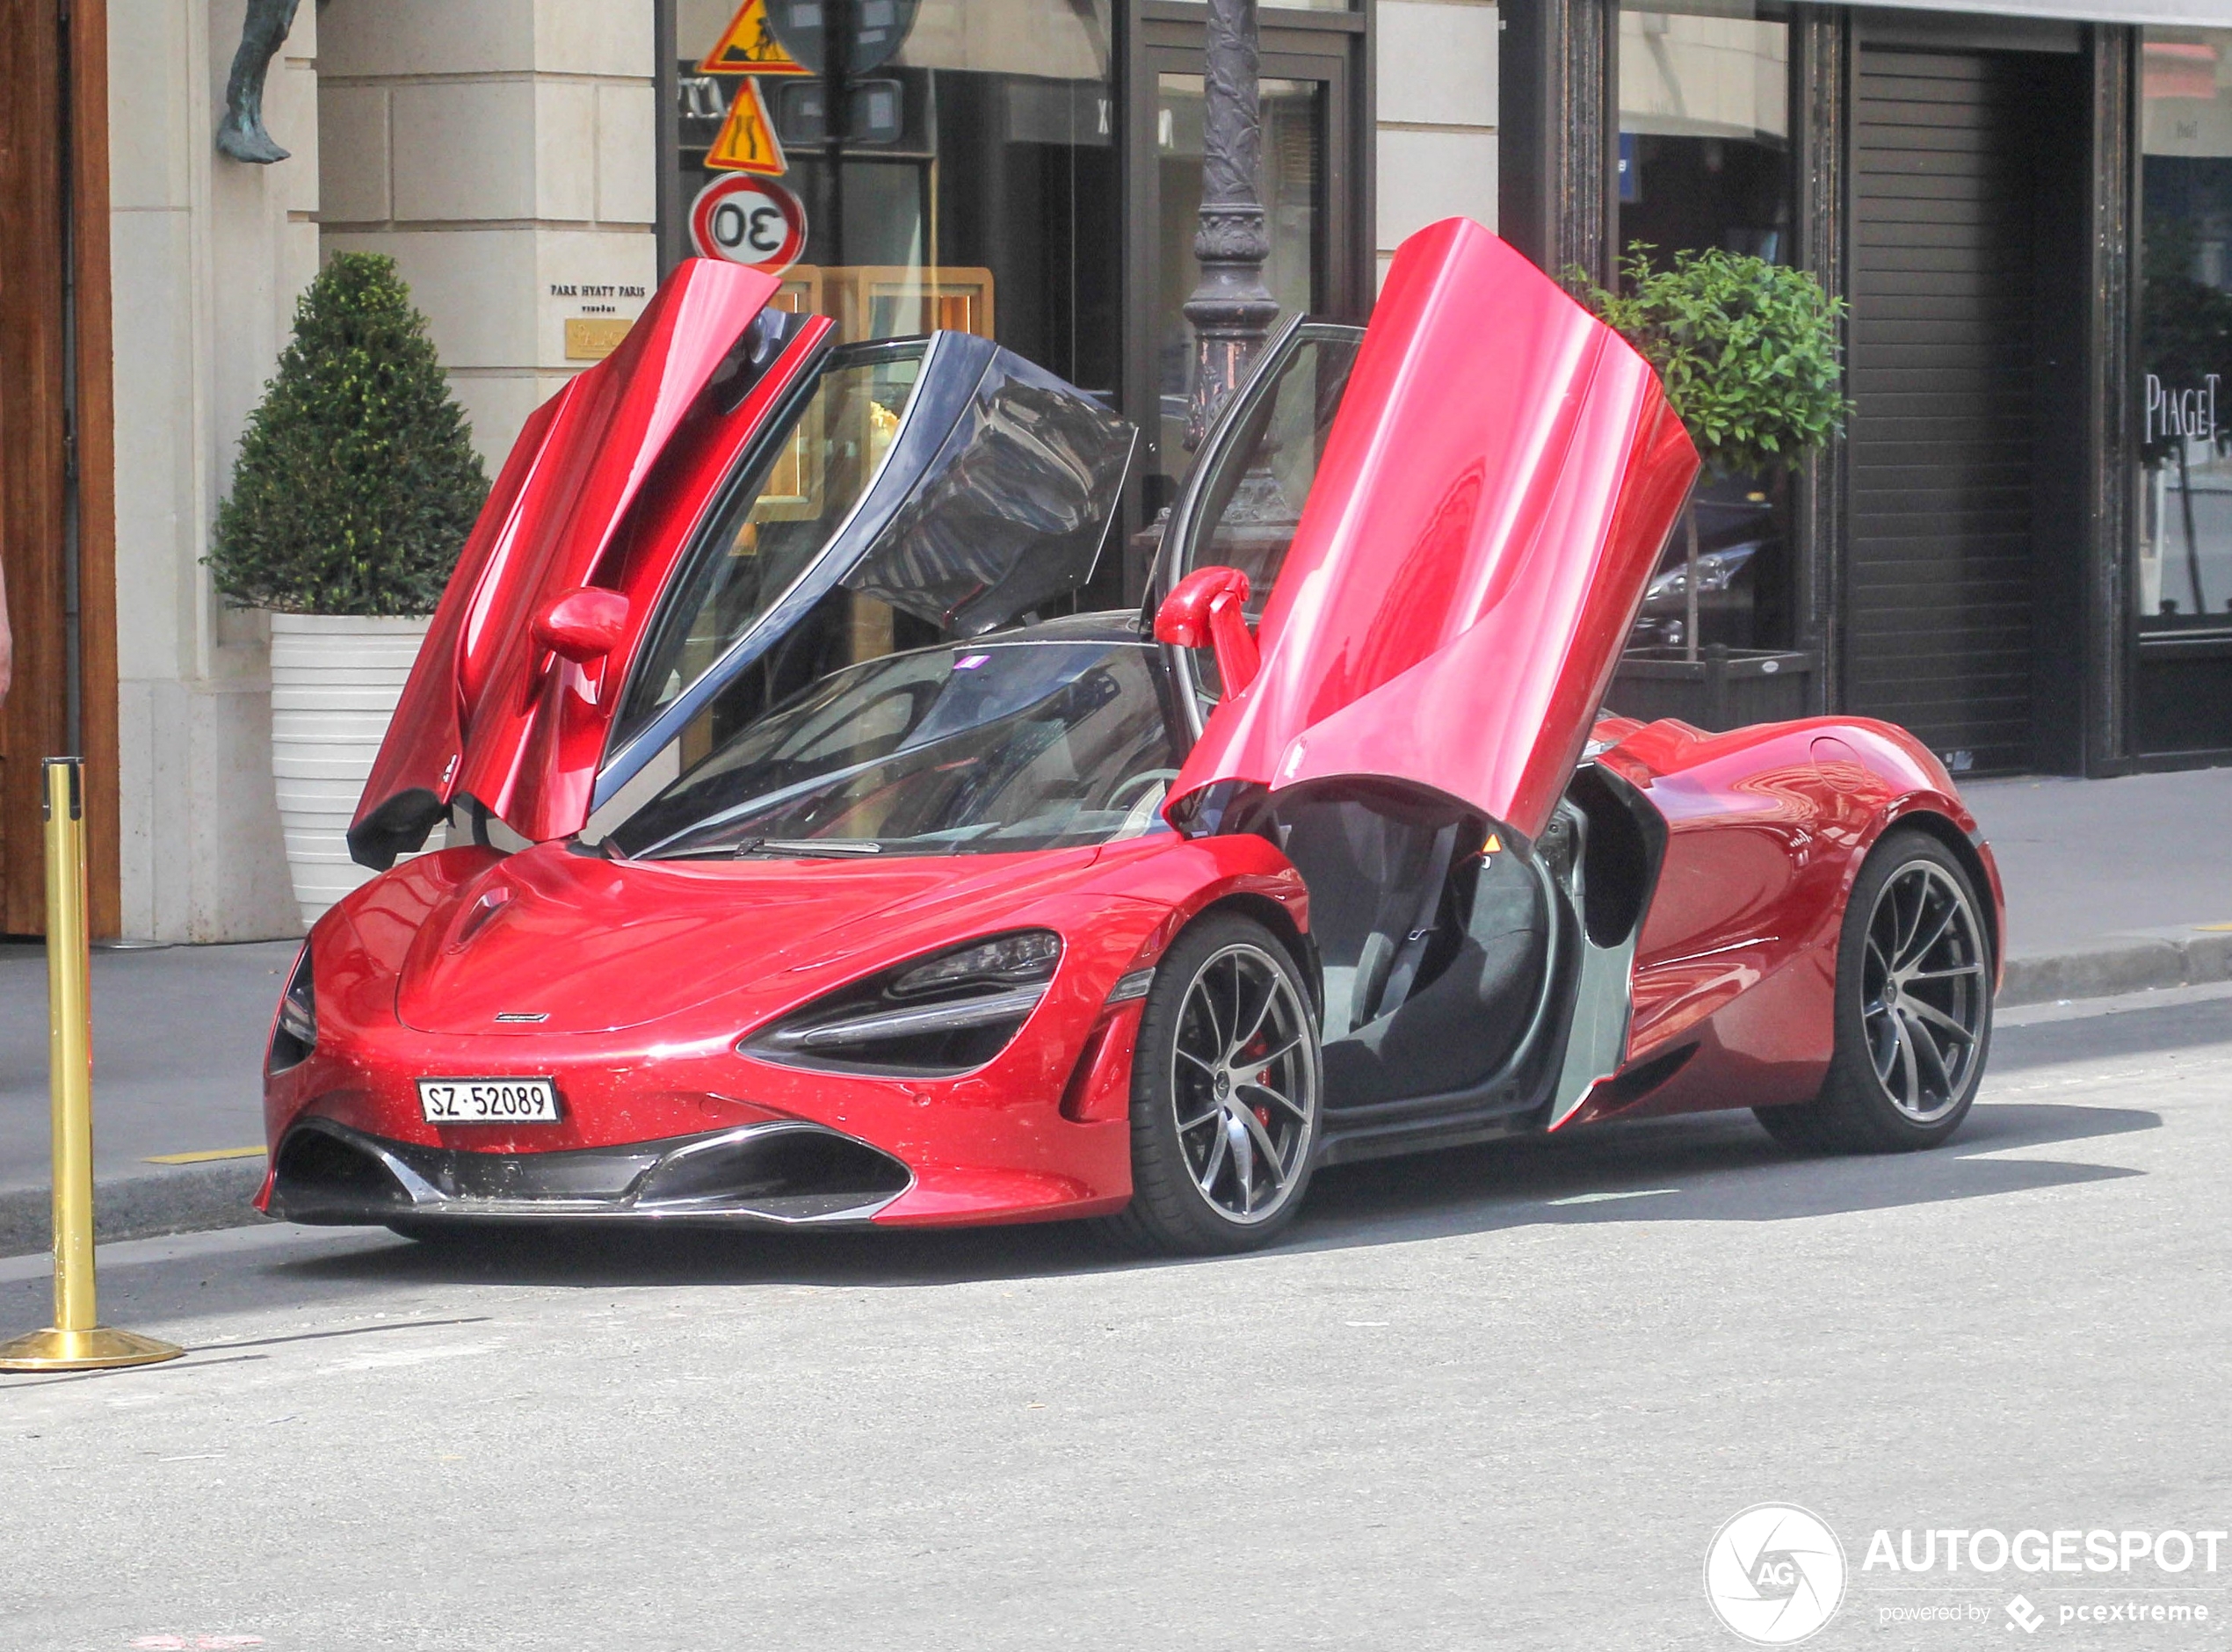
(1774, 1574)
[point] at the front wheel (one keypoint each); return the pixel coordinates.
(1226, 1082)
(1914, 1008)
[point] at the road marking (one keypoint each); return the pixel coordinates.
(2213, 927)
(205, 1157)
(1602, 1198)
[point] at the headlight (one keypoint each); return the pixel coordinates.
(1010, 960)
(295, 1033)
(931, 1018)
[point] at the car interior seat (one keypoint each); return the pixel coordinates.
(1433, 939)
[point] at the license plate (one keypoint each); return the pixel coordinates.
(488, 1100)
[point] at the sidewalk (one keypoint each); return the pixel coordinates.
(179, 1038)
(2112, 886)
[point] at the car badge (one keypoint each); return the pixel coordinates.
(512, 1018)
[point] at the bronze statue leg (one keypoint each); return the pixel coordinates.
(241, 134)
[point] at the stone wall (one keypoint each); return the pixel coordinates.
(505, 153)
(208, 256)
(1437, 116)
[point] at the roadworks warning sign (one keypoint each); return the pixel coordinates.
(748, 46)
(747, 143)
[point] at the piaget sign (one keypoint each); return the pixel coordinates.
(2171, 411)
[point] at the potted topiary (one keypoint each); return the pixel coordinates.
(355, 485)
(1748, 353)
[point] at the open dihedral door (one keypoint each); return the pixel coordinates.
(675, 516)
(1491, 500)
(1488, 506)
(491, 711)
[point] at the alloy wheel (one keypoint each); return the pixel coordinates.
(1243, 1084)
(1925, 990)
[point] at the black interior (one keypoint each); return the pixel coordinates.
(1433, 951)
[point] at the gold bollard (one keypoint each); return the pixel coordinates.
(76, 1341)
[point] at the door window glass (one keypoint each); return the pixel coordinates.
(1253, 489)
(1293, 144)
(1252, 498)
(1705, 163)
(770, 531)
(974, 184)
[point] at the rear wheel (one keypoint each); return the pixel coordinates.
(1914, 1008)
(1226, 1081)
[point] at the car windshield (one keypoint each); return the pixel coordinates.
(978, 747)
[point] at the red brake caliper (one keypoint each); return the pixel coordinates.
(1257, 1048)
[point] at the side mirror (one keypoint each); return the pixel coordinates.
(1206, 610)
(583, 625)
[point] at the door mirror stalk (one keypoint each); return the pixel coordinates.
(1205, 609)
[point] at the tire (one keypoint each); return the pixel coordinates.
(1224, 1129)
(1913, 1009)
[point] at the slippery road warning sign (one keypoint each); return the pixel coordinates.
(748, 220)
(747, 143)
(748, 46)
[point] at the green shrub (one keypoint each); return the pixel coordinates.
(356, 481)
(1747, 351)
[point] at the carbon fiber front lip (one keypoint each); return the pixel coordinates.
(386, 1181)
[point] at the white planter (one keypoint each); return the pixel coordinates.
(335, 682)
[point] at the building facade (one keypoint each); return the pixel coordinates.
(1026, 168)
(2021, 547)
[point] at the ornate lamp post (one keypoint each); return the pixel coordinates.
(1231, 310)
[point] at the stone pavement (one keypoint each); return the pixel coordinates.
(2113, 886)
(178, 1037)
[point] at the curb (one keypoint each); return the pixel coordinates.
(191, 1199)
(2119, 964)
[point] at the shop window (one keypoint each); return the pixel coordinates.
(2182, 591)
(2185, 332)
(1705, 163)
(974, 185)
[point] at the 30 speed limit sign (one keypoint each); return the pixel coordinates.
(751, 221)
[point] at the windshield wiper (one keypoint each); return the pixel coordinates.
(796, 848)
(812, 847)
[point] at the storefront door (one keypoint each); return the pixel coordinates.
(1967, 295)
(1311, 182)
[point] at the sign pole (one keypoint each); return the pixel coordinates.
(76, 1341)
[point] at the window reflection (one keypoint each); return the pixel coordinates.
(1704, 163)
(975, 189)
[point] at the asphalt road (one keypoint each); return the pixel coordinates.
(1503, 1398)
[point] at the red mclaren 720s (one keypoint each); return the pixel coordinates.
(807, 863)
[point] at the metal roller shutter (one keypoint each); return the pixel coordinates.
(1939, 577)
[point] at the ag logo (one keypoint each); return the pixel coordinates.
(1774, 1574)
(751, 221)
